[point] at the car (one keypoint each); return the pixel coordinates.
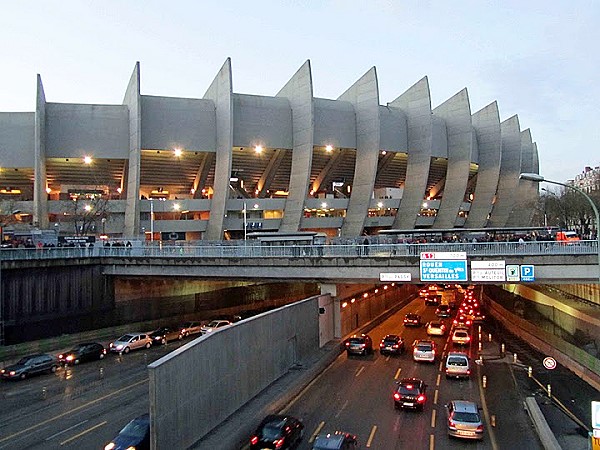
(163, 335)
(464, 420)
(213, 325)
(392, 344)
(132, 341)
(412, 319)
(135, 435)
(460, 336)
(277, 432)
(478, 317)
(30, 365)
(338, 440)
(359, 345)
(443, 311)
(462, 321)
(410, 393)
(436, 328)
(188, 328)
(90, 351)
(458, 365)
(433, 299)
(423, 351)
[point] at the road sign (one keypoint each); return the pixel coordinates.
(512, 272)
(401, 276)
(595, 414)
(488, 271)
(527, 272)
(440, 271)
(444, 255)
(549, 363)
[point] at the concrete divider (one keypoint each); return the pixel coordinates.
(541, 426)
(199, 385)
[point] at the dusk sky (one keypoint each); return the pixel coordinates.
(536, 58)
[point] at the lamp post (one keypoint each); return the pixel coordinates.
(151, 220)
(245, 222)
(539, 179)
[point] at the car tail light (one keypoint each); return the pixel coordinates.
(451, 423)
(395, 346)
(421, 399)
(468, 338)
(396, 396)
(362, 345)
(468, 322)
(480, 428)
(61, 356)
(254, 440)
(347, 344)
(468, 371)
(279, 443)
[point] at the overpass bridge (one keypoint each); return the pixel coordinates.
(552, 262)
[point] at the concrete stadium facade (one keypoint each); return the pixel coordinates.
(212, 167)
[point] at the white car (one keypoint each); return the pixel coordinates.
(460, 336)
(424, 351)
(436, 328)
(132, 341)
(213, 325)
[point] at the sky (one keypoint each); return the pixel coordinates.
(537, 59)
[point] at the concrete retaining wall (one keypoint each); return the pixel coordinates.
(195, 388)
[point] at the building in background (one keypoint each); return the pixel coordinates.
(227, 163)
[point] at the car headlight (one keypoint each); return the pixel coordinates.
(131, 448)
(109, 446)
(2, 371)
(119, 347)
(70, 358)
(12, 373)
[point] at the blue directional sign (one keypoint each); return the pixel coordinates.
(439, 270)
(527, 272)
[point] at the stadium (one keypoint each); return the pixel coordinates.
(226, 164)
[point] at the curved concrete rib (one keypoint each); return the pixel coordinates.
(519, 216)
(509, 172)
(299, 91)
(40, 203)
(486, 122)
(416, 104)
(364, 96)
(456, 112)
(133, 102)
(221, 93)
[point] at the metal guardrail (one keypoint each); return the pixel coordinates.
(247, 249)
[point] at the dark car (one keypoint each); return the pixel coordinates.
(189, 328)
(30, 365)
(338, 440)
(443, 311)
(359, 345)
(410, 393)
(392, 344)
(413, 320)
(164, 335)
(135, 435)
(90, 351)
(277, 432)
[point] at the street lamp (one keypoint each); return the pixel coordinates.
(539, 179)
(151, 219)
(245, 222)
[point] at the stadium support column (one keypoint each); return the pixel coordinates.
(364, 96)
(299, 91)
(509, 172)
(221, 93)
(40, 196)
(416, 104)
(486, 122)
(534, 193)
(456, 113)
(525, 201)
(132, 206)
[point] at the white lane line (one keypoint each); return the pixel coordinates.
(437, 382)
(433, 419)
(371, 436)
(398, 373)
(446, 346)
(388, 357)
(441, 365)
(359, 371)
(435, 397)
(431, 442)
(317, 431)
(77, 436)
(65, 430)
(341, 409)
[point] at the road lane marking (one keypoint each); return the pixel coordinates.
(371, 436)
(388, 357)
(433, 419)
(445, 346)
(398, 373)
(77, 436)
(431, 442)
(341, 409)
(317, 431)
(359, 371)
(437, 382)
(85, 405)
(441, 364)
(65, 430)
(435, 397)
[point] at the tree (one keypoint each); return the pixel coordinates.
(86, 211)
(568, 209)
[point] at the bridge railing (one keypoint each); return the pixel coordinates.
(246, 249)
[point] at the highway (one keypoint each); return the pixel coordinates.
(85, 406)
